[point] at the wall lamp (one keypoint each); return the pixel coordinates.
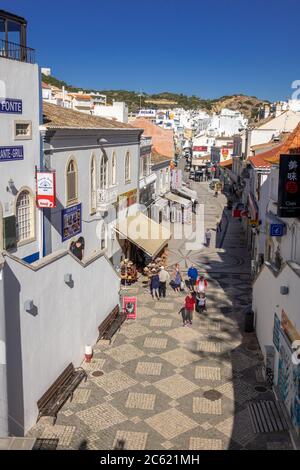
(28, 305)
(11, 185)
(284, 290)
(102, 141)
(68, 278)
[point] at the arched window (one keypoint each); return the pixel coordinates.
(114, 169)
(104, 172)
(93, 184)
(24, 216)
(127, 167)
(72, 184)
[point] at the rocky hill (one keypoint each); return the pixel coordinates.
(248, 105)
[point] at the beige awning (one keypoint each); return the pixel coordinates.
(178, 199)
(148, 235)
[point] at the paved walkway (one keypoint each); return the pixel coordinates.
(168, 387)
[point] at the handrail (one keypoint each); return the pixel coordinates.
(14, 51)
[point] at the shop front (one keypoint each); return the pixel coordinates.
(141, 238)
(287, 344)
(180, 209)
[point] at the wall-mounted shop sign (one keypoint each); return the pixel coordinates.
(289, 186)
(8, 154)
(11, 106)
(277, 230)
(70, 222)
(45, 189)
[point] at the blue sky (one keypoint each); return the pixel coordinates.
(206, 48)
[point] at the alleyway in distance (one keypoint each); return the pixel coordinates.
(167, 387)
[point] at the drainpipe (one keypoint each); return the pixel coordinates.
(3, 376)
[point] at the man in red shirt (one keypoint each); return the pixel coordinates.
(189, 307)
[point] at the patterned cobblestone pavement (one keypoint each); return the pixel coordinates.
(168, 387)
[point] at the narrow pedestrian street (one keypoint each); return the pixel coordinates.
(161, 386)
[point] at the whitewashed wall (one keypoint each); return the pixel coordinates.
(65, 319)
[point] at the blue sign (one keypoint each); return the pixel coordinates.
(8, 154)
(11, 106)
(277, 230)
(276, 332)
(70, 222)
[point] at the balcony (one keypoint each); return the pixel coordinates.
(106, 197)
(11, 50)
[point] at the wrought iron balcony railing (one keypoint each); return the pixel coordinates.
(106, 197)
(11, 50)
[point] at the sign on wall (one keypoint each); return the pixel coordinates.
(8, 154)
(129, 307)
(277, 230)
(288, 372)
(200, 148)
(71, 222)
(289, 186)
(45, 189)
(11, 106)
(276, 332)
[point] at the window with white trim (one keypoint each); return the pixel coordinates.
(104, 172)
(93, 184)
(22, 130)
(24, 216)
(114, 169)
(72, 195)
(127, 168)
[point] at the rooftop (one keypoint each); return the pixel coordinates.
(57, 117)
(162, 139)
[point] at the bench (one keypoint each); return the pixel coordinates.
(111, 324)
(59, 392)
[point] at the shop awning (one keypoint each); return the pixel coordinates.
(148, 235)
(178, 199)
(188, 193)
(161, 202)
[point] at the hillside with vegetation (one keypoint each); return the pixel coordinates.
(248, 105)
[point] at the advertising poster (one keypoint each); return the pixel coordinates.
(45, 189)
(71, 222)
(129, 306)
(288, 372)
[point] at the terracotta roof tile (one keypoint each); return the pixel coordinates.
(162, 139)
(58, 117)
(290, 145)
(226, 163)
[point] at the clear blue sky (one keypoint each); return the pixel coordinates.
(203, 47)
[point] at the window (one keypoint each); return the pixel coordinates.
(24, 216)
(103, 172)
(23, 130)
(93, 185)
(113, 169)
(103, 237)
(72, 182)
(127, 168)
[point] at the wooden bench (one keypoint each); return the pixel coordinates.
(59, 392)
(111, 324)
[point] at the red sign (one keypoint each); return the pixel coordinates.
(200, 148)
(129, 306)
(45, 189)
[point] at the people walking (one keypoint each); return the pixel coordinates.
(164, 277)
(207, 237)
(189, 307)
(154, 284)
(201, 285)
(201, 302)
(192, 275)
(219, 224)
(176, 278)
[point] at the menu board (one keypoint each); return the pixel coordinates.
(71, 222)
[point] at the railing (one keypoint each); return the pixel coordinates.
(11, 50)
(106, 197)
(146, 141)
